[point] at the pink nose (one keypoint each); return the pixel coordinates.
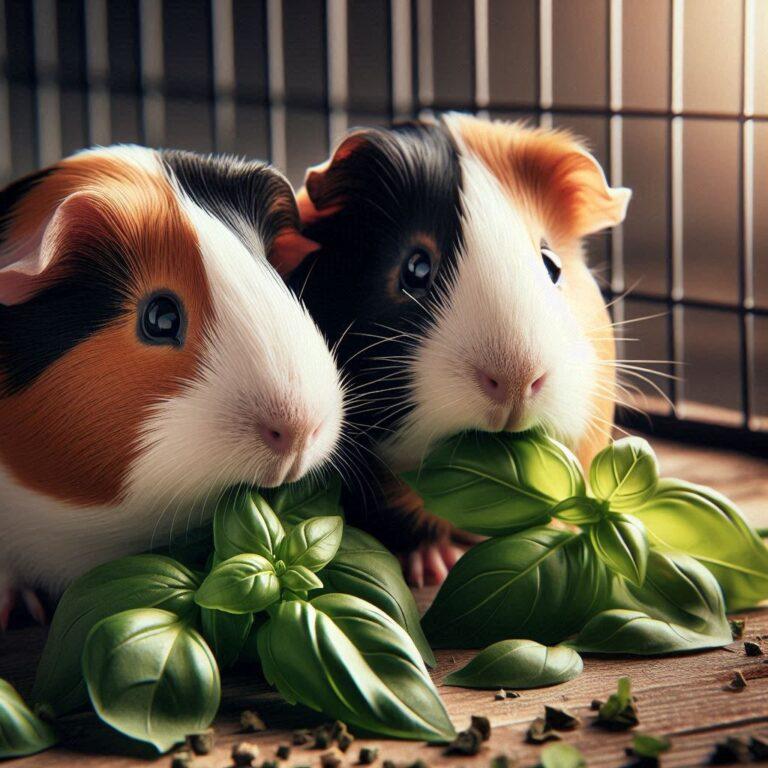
(499, 390)
(284, 438)
(537, 383)
(494, 387)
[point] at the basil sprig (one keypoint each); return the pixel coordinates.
(145, 637)
(651, 572)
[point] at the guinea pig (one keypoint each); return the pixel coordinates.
(450, 272)
(149, 355)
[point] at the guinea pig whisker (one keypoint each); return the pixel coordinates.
(306, 279)
(629, 368)
(365, 349)
(622, 295)
(628, 322)
(335, 347)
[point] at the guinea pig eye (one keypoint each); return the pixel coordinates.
(416, 272)
(161, 320)
(552, 263)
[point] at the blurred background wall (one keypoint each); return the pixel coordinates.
(671, 95)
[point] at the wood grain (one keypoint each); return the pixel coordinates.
(682, 696)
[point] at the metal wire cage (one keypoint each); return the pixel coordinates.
(672, 96)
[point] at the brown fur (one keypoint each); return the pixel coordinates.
(72, 434)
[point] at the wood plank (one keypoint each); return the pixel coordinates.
(680, 696)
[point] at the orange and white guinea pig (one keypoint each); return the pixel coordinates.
(149, 355)
(451, 274)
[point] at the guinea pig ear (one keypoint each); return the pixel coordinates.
(28, 253)
(549, 169)
(289, 249)
(322, 194)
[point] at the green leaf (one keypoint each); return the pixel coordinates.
(580, 510)
(244, 523)
(21, 731)
(300, 578)
(541, 584)
(140, 581)
(344, 657)
(151, 676)
(498, 483)
(678, 608)
(625, 473)
(647, 745)
(635, 632)
(708, 526)
(619, 712)
(677, 589)
(241, 584)
(310, 497)
(312, 543)
(562, 755)
(621, 543)
(518, 664)
(225, 634)
(365, 568)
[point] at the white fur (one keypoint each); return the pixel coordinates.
(264, 358)
(501, 313)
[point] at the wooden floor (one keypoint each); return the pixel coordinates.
(681, 697)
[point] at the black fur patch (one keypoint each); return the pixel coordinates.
(36, 333)
(397, 188)
(236, 190)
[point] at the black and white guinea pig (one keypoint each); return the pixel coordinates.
(450, 272)
(149, 354)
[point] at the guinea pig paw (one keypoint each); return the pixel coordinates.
(9, 597)
(34, 606)
(429, 564)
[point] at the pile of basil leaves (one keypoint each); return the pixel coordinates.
(634, 565)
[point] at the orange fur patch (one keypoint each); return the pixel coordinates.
(548, 171)
(72, 434)
(549, 174)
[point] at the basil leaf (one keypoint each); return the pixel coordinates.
(312, 543)
(621, 543)
(678, 608)
(518, 664)
(310, 497)
(495, 484)
(225, 634)
(241, 584)
(21, 731)
(580, 510)
(139, 581)
(635, 632)
(346, 658)
(365, 568)
(708, 526)
(300, 578)
(677, 589)
(625, 473)
(245, 523)
(562, 755)
(151, 676)
(541, 584)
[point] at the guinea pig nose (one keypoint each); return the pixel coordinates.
(279, 438)
(537, 383)
(494, 387)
